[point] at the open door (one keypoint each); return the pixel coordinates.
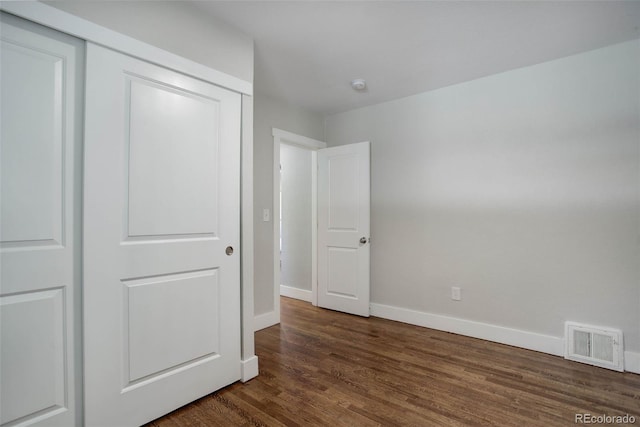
(344, 228)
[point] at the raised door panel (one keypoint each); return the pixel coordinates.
(342, 268)
(188, 305)
(33, 341)
(173, 146)
(40, 120)
(32, 157)
(343, 185)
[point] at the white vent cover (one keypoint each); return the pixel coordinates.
(594, 345)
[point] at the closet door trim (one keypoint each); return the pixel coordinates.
(89, 31)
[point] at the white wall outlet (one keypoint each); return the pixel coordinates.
(266, 215)
(456, 293)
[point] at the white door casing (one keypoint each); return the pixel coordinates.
(40, 151)
(344, 228)
(161, 205)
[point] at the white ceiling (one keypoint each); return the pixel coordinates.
(307, 52)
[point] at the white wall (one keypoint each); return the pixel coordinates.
(296, 217)
(270, 113)
(175, 26)
(522, 188)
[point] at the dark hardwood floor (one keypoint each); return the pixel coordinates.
(325, 368)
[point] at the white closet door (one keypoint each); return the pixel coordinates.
(41, 121)
(161, 239)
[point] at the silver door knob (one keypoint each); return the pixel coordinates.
(363, 240)
(229, 250)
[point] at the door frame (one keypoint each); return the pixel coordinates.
(65, 22)
(284, 137)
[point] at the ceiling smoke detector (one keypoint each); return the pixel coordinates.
(358, 85)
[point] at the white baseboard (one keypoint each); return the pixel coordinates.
(632, 362)
(515, 337)
(249, 369)
(265, 320)
(291, 292)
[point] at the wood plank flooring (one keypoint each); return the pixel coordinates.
(323, 368)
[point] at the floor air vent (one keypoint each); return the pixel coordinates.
(594, 345)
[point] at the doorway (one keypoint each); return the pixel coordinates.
(295, 222)
(340, 229)
(295, 216)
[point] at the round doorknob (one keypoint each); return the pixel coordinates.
(229, 250)
(363, 240)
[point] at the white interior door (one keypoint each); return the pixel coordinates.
(344, 228)
(162, 285)
(41, 121)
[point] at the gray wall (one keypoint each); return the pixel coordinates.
(296, 216)
(270, 113)
(522, 188)
(185, 31)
